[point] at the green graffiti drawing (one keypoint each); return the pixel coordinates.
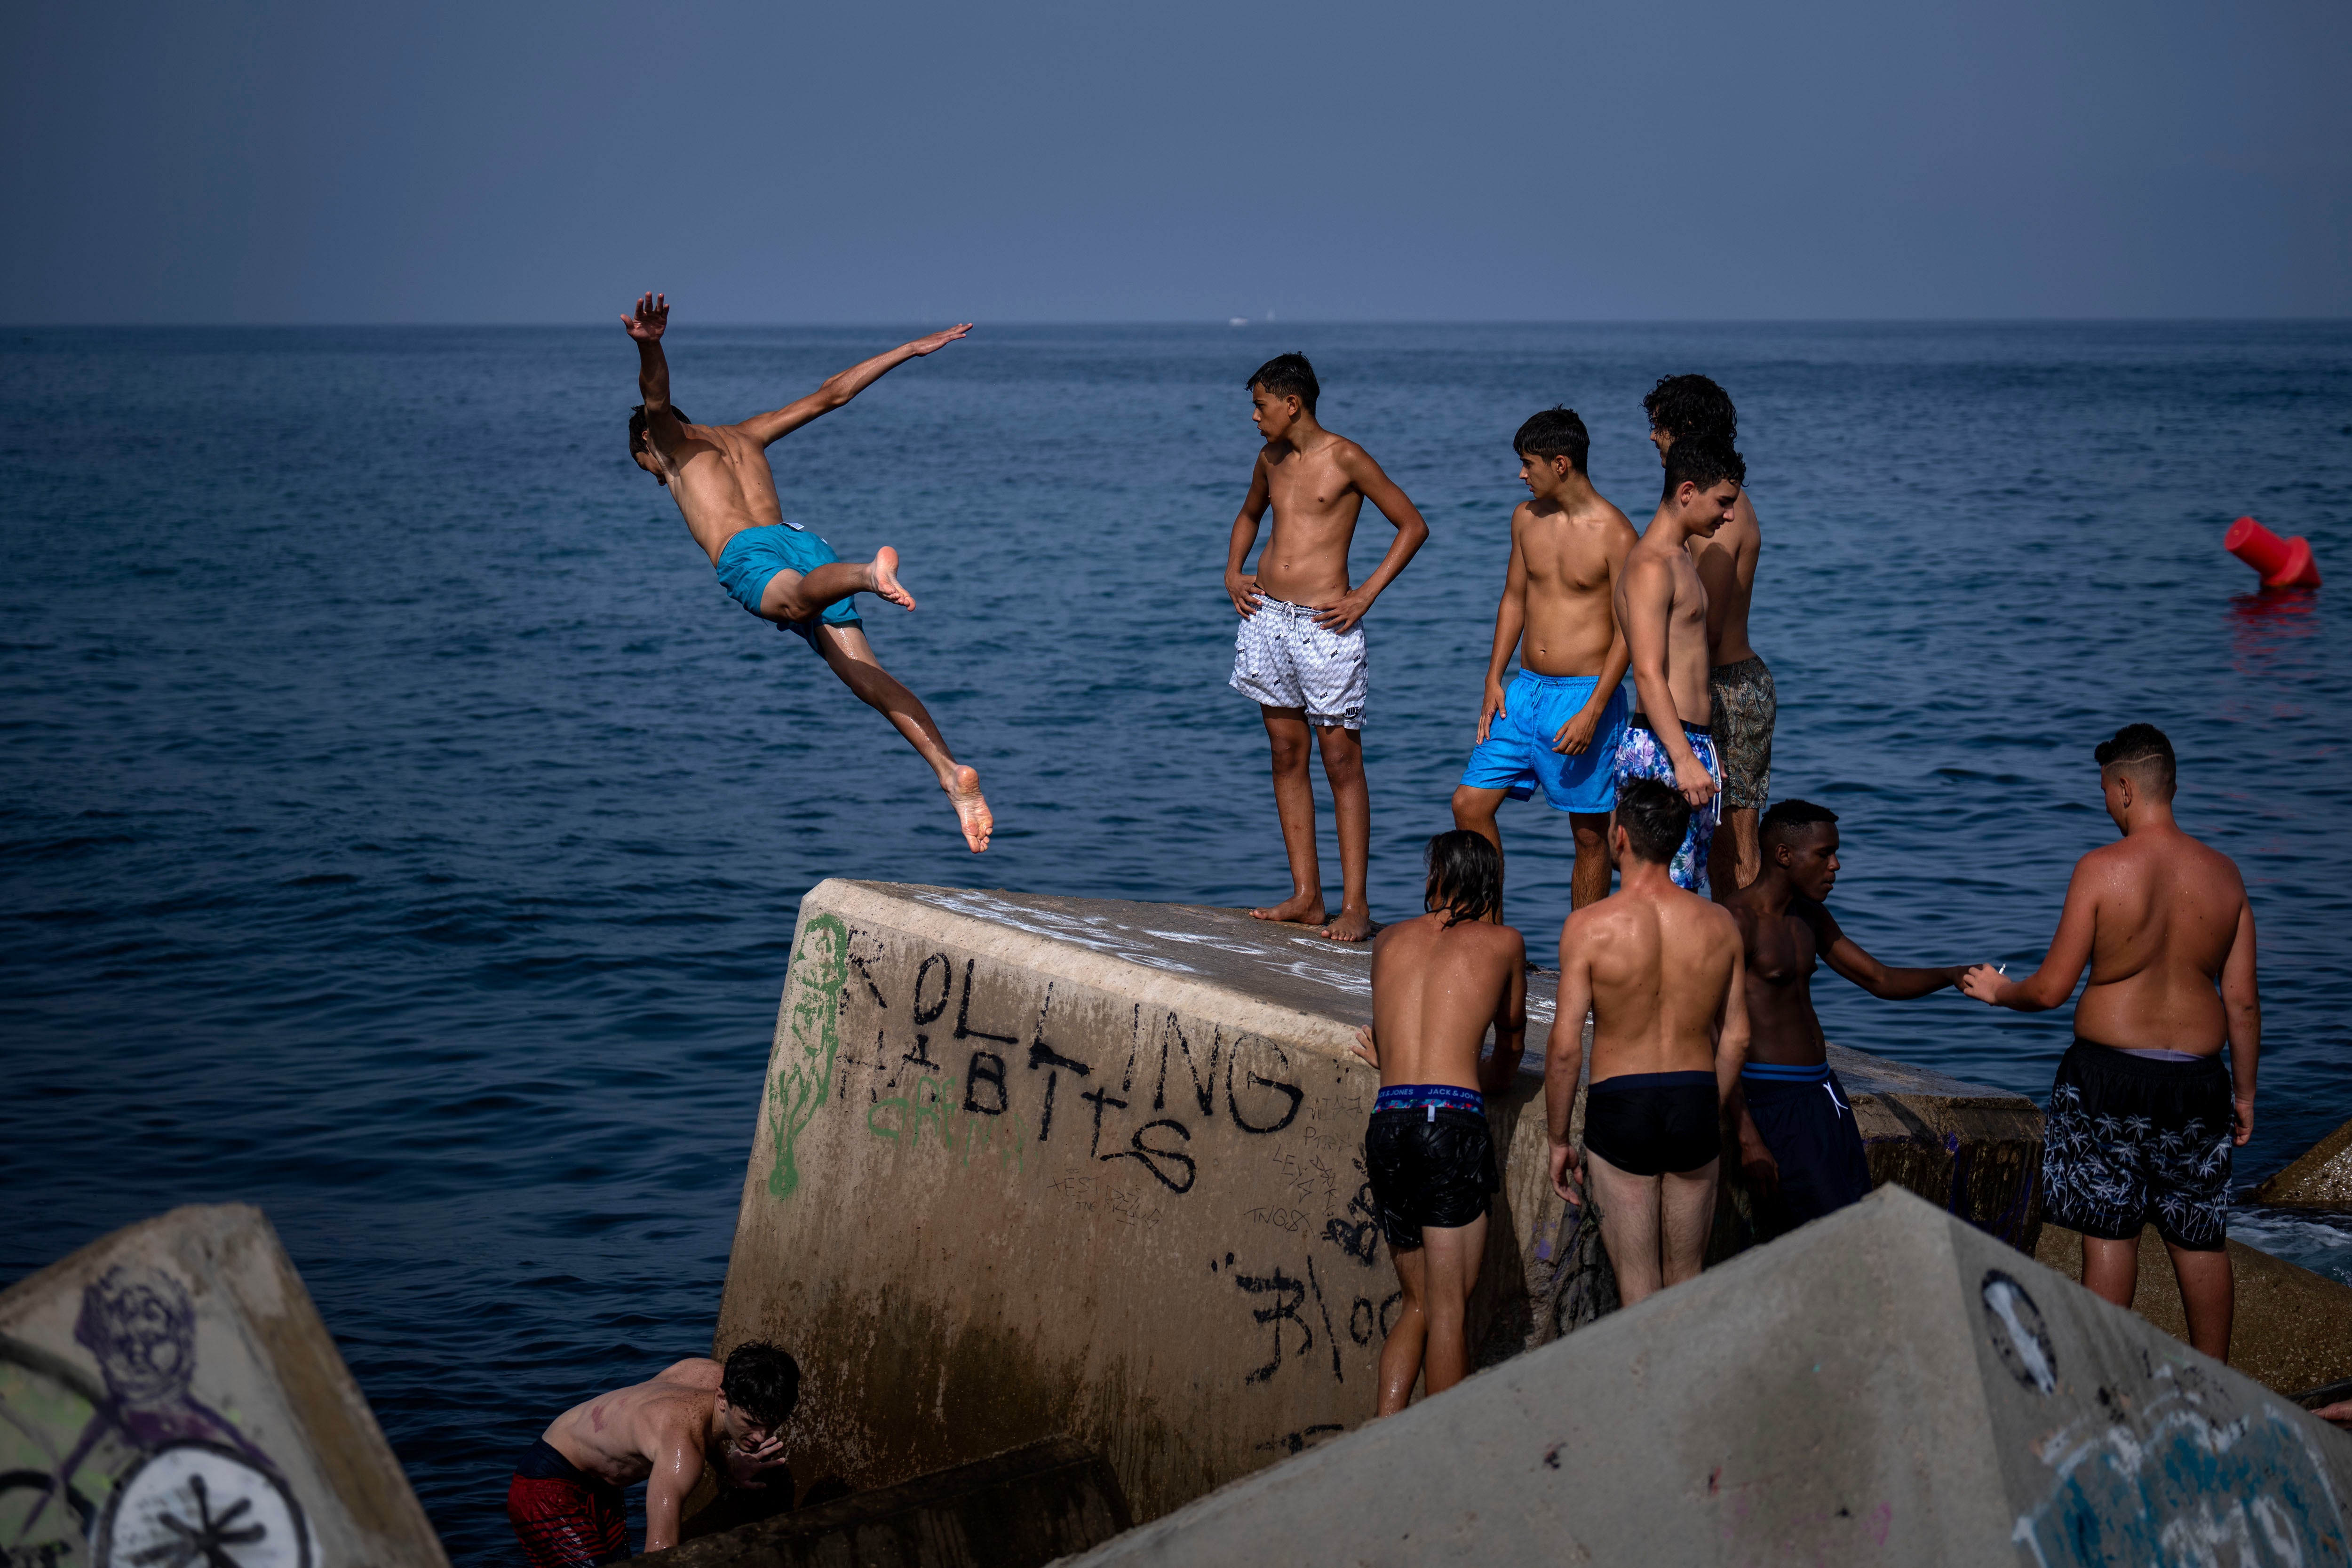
(803, 1066)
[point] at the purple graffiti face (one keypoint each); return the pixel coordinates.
(140, 1325)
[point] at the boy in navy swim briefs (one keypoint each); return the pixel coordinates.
(1660, 970)
(1799, 1142)
(1557, 724)
(1439, 981)
(719, 476)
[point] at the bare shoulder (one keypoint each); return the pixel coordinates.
(1351, 458)
(695, 1372)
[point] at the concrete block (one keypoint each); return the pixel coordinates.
(1886, 1385)
(2321, 1179)
(1027, 1165)
(2292, 1330)
(1016, 1509)
(170, 1399)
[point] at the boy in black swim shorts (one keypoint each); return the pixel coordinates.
(1661, 970)
(1439, 981)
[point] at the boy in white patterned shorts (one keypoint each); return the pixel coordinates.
(1299, 653)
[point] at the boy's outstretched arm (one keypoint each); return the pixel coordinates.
(664, 430)
(1510, 620)
(2241, 1002)
(1497, 1070)
(2061, 967)
(1885, 982)
(1411, 534)
(841, 385)
(1242, 586)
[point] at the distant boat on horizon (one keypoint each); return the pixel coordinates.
(1238, 322)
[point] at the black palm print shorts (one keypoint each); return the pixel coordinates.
(2130, 1139)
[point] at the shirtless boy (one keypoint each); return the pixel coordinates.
(1798, 1138)
(565, 1498)
(1438, 982)
(1560, 722)
(717, 475)
(1661, 603)
(1660, 969)
(1299, 653)
(2142, 1115)
(1744, 701)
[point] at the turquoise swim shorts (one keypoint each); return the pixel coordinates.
(755, 555)
(1516, 754)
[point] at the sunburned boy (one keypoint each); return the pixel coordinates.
(1299, 653)
(1559, 723)
(565, 1502)
(1661, 605)
(1660, 969)
(717, 475)
(1744, 701)
(2144, 1115)
(1798, 1138)
(1438, 982)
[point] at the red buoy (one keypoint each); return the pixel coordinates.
(2283, 563)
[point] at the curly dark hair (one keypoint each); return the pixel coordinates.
(1706, 464)
(1792, 817)
(1288, 375)
(1688, 405)
(637, 422)
(762, 1382)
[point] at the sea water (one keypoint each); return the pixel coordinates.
(399, 829)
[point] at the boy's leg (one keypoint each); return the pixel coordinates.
(850, 656)
(2111, 1268)
(2208, 1298)
(1351, 804)
(1629, 1226)
(1734, 858)
(793, 595)
(1287, 739)
(1401, 1354)
(1685, 1216)
(1590, 883)
(1473, 812)
(1449, 1259)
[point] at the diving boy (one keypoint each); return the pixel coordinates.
(1559, 723)
(1660, 969)
(717, 475)
(1797, 1137)
(1438, 982)
(565, 1502)
(1299, 652)
(1661, 604)
(2144, 1115)
(1744, 703)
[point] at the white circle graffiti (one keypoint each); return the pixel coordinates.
(195, 1505)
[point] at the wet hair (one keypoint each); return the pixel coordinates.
(1788, 818)
(1685, 406)
(1556, 432)
(1466, 877)
(1654, 817)
(1288, 375)
(637, 422)
(2143, 751)
(1706, 464)
(762, 1382)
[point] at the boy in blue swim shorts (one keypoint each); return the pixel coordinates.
(1555, 726)
(719, 476)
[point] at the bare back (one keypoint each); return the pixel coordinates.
(720, 477)
(1571, 559)
(2167, 913)
(1435, 991)
(1726, 568)
(1316, 502)
(621, 1435)
(1661, 586)
(1658, 965)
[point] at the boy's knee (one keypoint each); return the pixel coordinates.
(1343, 751)
(1289, 756)
(1592, 837)
(1470, 811)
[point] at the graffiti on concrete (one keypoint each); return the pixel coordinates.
(2165, 1481)
(131, 1469)
(802, 1073)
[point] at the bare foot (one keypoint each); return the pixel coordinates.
(886, 583)
(1300, 909)
(972, 807)
(1353, 925)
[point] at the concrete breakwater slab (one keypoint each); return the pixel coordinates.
(1884, 1385)
(1027, 1165)
(2320, 1179)
(170, 1399)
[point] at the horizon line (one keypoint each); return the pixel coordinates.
(1227, 323)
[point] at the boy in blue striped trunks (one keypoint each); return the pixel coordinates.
(1798, 1138)
(1661, 604)
(1560, 723)
(1439, 981)
(717, 475)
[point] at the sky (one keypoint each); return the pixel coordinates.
(316, 161)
